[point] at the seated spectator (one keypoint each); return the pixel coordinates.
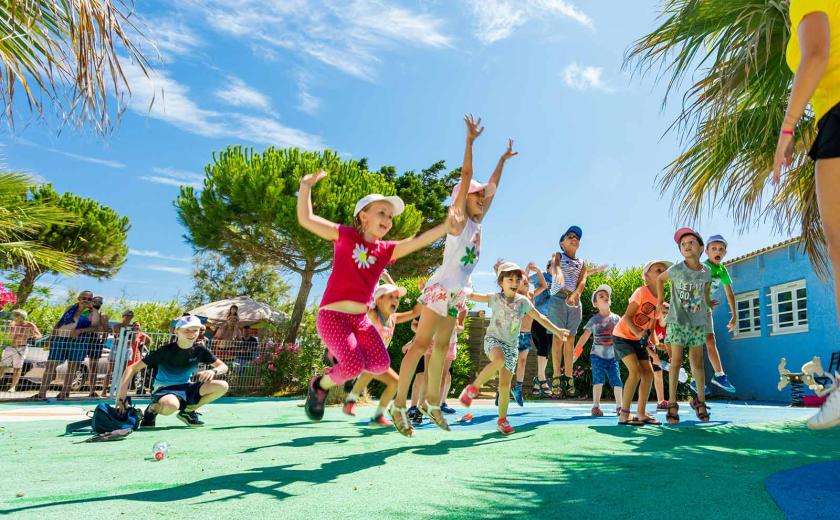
(95, 342)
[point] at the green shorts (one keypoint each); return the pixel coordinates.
(689, 337)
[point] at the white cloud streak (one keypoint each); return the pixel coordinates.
(148, 253)
(237, 93)
(306, 101)
(169, 269)
(496, 20)
(173, 104)
(85, 158)
(584, 78)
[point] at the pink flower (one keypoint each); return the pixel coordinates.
(271, 366)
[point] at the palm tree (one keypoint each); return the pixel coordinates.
(67, 52)
(20, 219)
(733, 52)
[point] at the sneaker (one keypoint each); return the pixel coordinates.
(149, 417)
(190, 418)
(315, 398)
(413, 412)
(348, 386)
(349, 408)
(417, 420)
(468, 394)
(381, 420)
(596, 411)
(445, 408)
(693, 387)
(504, 426)
(723, 383)
(516, 392)
(829, 414)
(662, 406)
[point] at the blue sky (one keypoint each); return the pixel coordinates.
(389, 81)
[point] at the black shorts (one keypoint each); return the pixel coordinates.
(625, 347)
(94, 346)
(827, 143)
(541, 339)
(421, 366)
(187, 393)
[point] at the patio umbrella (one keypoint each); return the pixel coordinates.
(250, 311)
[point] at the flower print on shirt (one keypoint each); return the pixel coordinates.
(472, 252)
(362, 257)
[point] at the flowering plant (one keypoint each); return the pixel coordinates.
(277, 364)
(6, 296)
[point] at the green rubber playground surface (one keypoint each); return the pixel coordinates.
(262, 458)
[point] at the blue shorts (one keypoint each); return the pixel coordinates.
(188, 393)
(603, 369)
(66, 349)
(526, 342)
(564, 316)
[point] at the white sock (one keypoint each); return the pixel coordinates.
(380, 410)
(351, 397)
(719, 374)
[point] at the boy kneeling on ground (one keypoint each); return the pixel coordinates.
(176, 363)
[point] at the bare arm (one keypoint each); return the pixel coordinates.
(814, 32)
(474, 129)
(386, 276)
(126, 380)
(479, 297)
(632, 308)
(402, 317)
(496, 176)
(660, 290)
(307, 219)
(543, 285)
(581, 342)
(730, 299)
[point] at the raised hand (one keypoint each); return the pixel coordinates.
(596, 269)
(532, 267)
(509, 152)
(474, 127)
(783, 157)
(455, 221)
(312, 178)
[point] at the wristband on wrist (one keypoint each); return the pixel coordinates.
(787, 132)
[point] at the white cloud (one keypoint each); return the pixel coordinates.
(36, 178)
(172, 104)
(170, 37)
(85, 158)
(170, 181)
(157, 254)
(497, 19)
(237, 93)
(169, 269)
(346, 35)
(178, 174)
(306, 101)
(584, 78)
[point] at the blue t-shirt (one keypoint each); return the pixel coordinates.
(176, 365)
(541, 300)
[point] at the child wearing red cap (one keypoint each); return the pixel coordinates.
(445, 294)
(687, 319)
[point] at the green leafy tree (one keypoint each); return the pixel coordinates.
(732, 53)
(96, 238)
(22, 220)
(246, 211)
(215, 279)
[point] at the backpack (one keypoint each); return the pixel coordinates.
(105, 419)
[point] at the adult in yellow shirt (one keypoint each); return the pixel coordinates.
(813, 53)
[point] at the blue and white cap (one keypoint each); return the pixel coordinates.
(187, 321)
(717, 238)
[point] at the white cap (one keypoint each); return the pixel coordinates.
(395, 201)
(475, 186)
(507, 266)
(187, 321)
(652, 263)
(602, 287)
(387, 288)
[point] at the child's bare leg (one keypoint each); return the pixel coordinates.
(596, 395)
(434, 366)
(209, 392)
(630, 384)
(674, 372)
(497, 361)
(521, 361)
(568, 356)
(429, 321)
(417, 388)
(646, 379)
(556, 355)
(659, 384)
(698, 370)
(389, 379)
(446, 384)
(15, 378)
(504, 390)
(361, 383)
(714, 355)
(619, 395)
(542, 363)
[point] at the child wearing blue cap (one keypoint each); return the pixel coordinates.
(715, 252)
(564, 309)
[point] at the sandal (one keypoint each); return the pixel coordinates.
(400, 421)
(673, 418)
(556, 389)
(428, 409)
(596, 411)
(631, 421)
(650, 420)
(696, 405)
(537, 390)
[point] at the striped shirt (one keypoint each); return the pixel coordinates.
(571, 268)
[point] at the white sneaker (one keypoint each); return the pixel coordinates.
(829, 414)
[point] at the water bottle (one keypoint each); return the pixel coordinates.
(160, 450)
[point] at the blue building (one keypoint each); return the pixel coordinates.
(783, 310)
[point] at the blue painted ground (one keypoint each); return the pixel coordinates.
(808, 492)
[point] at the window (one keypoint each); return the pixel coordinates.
(789, 308)
(747, 315)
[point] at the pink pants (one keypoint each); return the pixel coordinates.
(355, 344)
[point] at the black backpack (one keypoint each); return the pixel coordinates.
(105, 419)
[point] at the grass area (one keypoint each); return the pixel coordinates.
(260, 458)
